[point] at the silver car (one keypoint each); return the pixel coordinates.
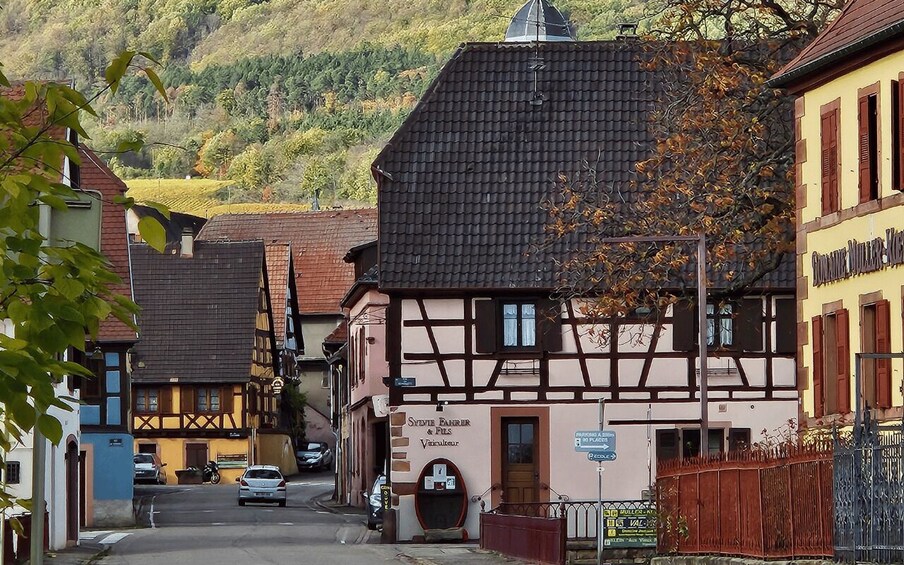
(262, 483)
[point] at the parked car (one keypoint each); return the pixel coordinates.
(149, 469)
(262, 483)
(375, 502)
(314, 455)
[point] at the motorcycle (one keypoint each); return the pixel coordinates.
(211, 473)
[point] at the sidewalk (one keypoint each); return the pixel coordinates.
(79, 555)
(423, 554)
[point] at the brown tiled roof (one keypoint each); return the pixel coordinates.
(197, 313)
(462, 183)
(114, 242)
(278, 259)
(319, 242)
(339, 335)
(862, 25)
(174, 225)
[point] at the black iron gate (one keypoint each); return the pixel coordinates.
(869, 493)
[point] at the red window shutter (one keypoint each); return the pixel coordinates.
(898, 149)
(829, 149)
(843, 360)
(883, 345)
(863, 147)
(819, 399)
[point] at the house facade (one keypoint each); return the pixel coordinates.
(106, 447)
(319, 240)
(849, 84)
(203, 382)
(490, 374)
(360, 382)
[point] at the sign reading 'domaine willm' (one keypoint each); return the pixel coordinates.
(859, 258)
(438, 427)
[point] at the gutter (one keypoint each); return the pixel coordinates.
(829, 58)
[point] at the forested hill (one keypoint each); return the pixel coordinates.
(287, 99)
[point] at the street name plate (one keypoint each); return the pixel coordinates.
(405, 381)
(594, 440)
(601, 456)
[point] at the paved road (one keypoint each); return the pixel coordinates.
(203, 524)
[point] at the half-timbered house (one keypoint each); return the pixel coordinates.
(205, 366)
(487, 371)
(319, 240)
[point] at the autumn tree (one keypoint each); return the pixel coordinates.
(52, 293)
(721, 163)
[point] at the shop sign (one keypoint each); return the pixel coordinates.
(859, 258)
(629, 527)
(440, 430)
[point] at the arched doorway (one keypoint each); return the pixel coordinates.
(72, 490)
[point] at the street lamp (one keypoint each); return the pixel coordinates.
(701, 316)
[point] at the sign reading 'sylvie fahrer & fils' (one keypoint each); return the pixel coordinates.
(629, 527)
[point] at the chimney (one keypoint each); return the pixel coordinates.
(188, 243)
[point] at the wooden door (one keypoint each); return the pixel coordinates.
(520, 460)
(196, 455)
(73, 491)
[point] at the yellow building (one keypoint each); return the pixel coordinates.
(849, 118)
(204, 370)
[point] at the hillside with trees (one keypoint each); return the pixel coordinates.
(289, 101)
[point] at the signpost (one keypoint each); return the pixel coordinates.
(599, 446)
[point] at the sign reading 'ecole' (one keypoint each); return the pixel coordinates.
(859, 258)
(441, 430)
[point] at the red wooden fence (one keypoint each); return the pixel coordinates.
(541, 540)
(762, 504)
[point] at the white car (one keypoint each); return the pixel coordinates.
(262, 483)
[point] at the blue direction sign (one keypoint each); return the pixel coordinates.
(601, 455)
(594, 440)
(405, 381)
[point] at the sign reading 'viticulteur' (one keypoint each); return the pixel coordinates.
(859, 258)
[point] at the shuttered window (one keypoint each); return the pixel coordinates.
(819, 400)
(843, 361)
(829, 160)
(517, 325)
(883, 345)
(897, 140)
(666, 445)
(868, 146)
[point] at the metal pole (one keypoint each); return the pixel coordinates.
(701, 313)
(39, 452)
(599, 497)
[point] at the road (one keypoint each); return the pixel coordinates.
(203, 524)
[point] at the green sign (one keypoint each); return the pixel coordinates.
(629, 527)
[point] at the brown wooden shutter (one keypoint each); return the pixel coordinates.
(819, 399)
(829, 150)
(227, 399)
(750, 324)
(549, 322)
(883, 345)
(187, 399)
(666, 445)
(898, 133)
(165, 400)
(785, 325)
(683, 327)
(863, 148)
(843, 360)
(485, 322)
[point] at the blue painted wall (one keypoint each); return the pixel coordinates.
(114, 469)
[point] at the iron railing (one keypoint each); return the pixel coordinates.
(869, 494)
(580, 515)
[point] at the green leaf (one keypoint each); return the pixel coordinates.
(162, 208)
(3, 80)
(127, 146)
(156, 82)
(147, 55)
(152, 232)
(70, 288)
(117, 69)
(50, 427)
(126, 201)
